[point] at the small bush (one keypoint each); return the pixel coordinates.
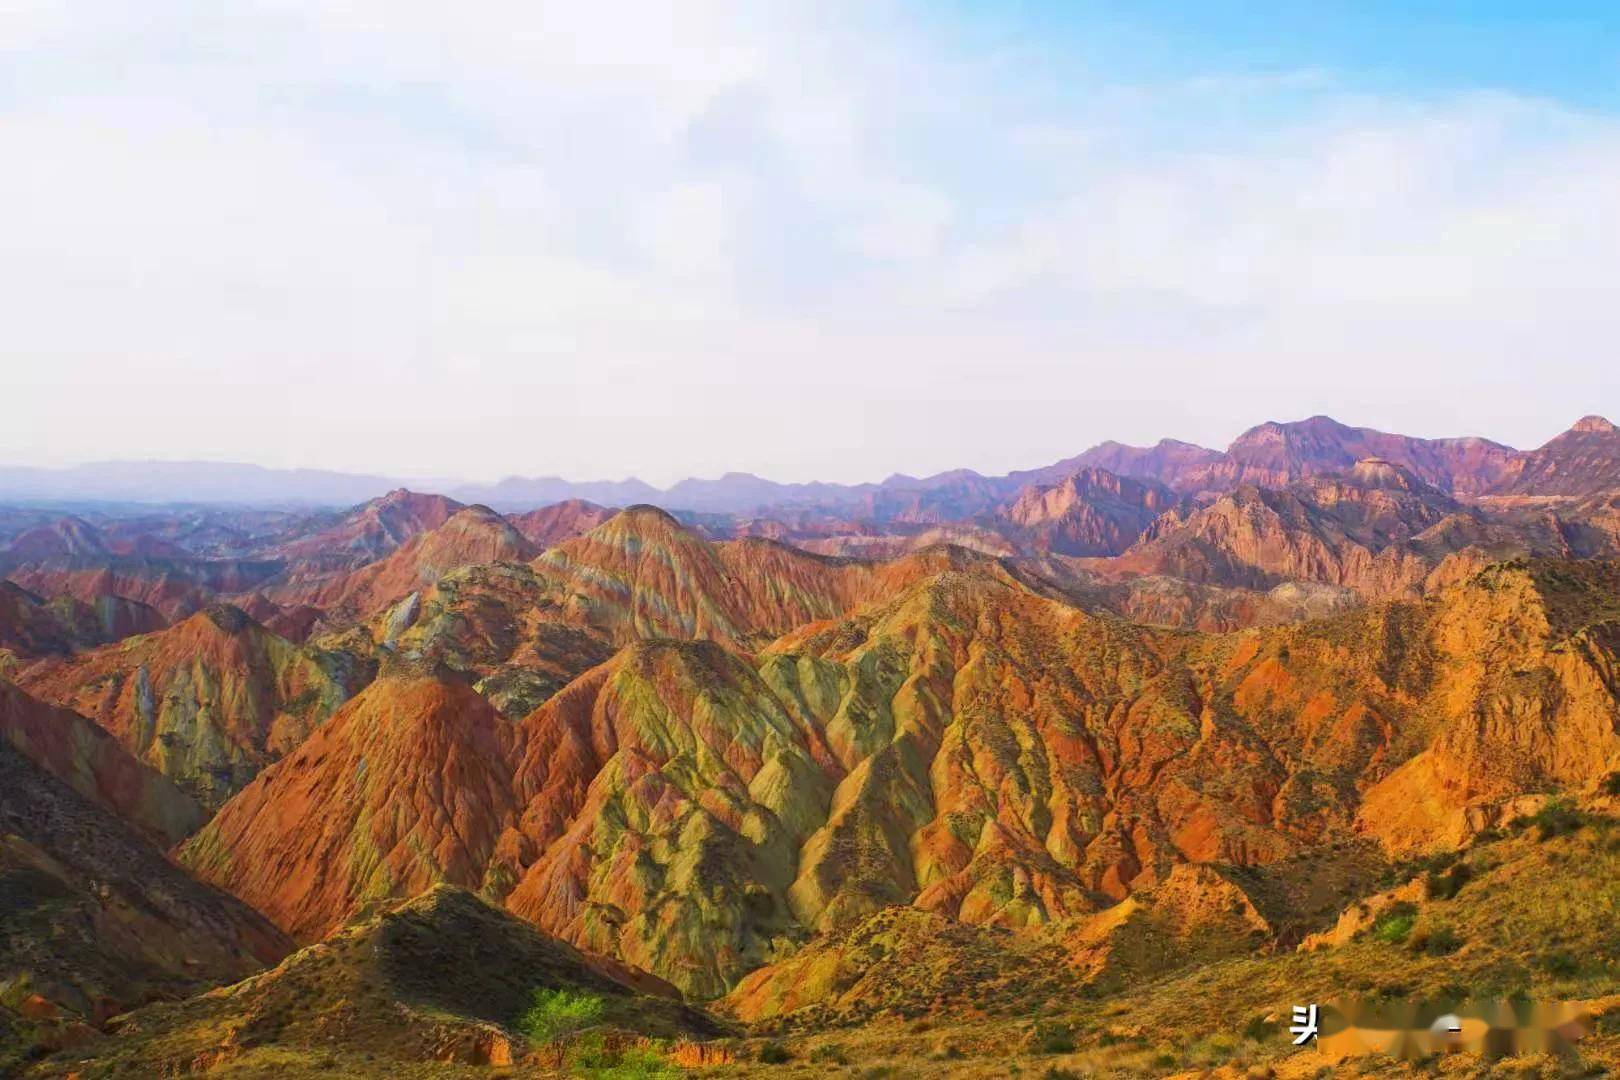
(1054, 1039)
(634, 1065)
(774, 1053)
(553, 1013)
(829, 1054)
(1611, 784)
(1395, 923)
(1055, 1073)
(1445, 886)
(1557, 818)
(1260, 1030)
(1561, 964)
(1437, 941)
(591, 1059)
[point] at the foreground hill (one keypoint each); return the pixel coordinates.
(209, 701)
(96, 920)
(443, 978)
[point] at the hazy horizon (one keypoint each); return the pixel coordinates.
(444, 483)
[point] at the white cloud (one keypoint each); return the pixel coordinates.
(809, 240)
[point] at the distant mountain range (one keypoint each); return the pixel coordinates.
(1583, 460)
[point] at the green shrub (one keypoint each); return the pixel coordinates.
(553, 1013)
(1395, 923)
(774, 1053)
(590, 1059)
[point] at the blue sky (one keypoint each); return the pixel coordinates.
(809, 240)
(1566, 51)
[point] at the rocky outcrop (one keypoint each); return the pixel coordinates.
(1582, 461)
(436, 982)
(1093, 512)
(472, 535)
(32, 627)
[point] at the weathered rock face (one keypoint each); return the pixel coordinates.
(96, 920)
(68, 537)
(406, 786)
(93, 764)
(1584, 460)
(176, 587)
(499, 624)
(1278, 454)
(207, 702)
(1093, 512)
(1171, 462)
(667, 795)
(1376, 530)
(641, 575)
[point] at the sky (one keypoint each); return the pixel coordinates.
(818, 240)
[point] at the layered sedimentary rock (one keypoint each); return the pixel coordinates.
(32, 626)
(408, 785)
(97, 767)
(209, 701)
(969, 746)
(470, 536)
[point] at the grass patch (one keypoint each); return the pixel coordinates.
(592, 1060)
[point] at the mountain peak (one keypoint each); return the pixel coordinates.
(1595, 424)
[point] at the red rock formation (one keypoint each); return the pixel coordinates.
(368, 532)
(92, 763)
(1584, 460)
(31, 626)
(551, 525)
(475, 534)
(1093, 512)
(408, 785)
(208, 702)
